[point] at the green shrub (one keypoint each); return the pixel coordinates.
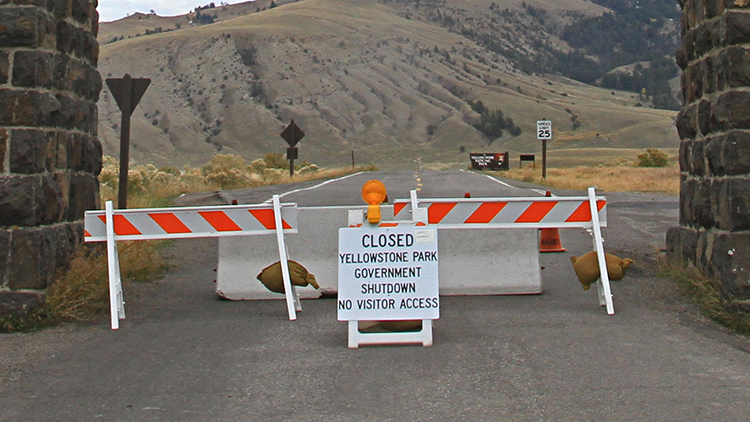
(652, 158)
(276, 160)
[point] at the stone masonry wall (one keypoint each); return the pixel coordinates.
(714, 128)
(49, 151)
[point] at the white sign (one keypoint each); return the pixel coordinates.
(388, 274)
(543, 129)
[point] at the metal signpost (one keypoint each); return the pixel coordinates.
(127, 92)
(544, 133)
(292, 134)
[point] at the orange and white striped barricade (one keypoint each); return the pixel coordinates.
(589, 212)
(111, 225)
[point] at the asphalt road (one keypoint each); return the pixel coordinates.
(184, 355)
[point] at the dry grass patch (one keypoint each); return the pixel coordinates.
(624, 177)
(149, 186)
(706, 293)
(82, 291)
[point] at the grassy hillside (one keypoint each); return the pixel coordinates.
(354, 75)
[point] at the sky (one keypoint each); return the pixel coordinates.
(110, 10)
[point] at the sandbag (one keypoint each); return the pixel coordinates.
(587, 267)
(272, 278)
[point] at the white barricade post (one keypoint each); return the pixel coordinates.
(188, 222)
(388, 273)
(588, 212)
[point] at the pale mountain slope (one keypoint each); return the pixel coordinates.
(355, 76)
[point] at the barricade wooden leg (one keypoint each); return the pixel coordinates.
(605, 291)
(116, 298)
(292, 300)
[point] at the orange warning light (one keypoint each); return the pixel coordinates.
(374, 193)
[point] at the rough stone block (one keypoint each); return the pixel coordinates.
(736, 153)
(32, 258)
(84, 195)
(736, 68)
(709, 75)
(703, 39)
(686, 123)
(17, 108)
(732, 111)
(67, 240)
(91, 155)
(82, 11)
(709, 8)
(739, 197)
(736, 27)
(94, 84)
(702, 209)
(4, 136)
(697, 159)
(50, 200)
(685, 154)
(51, 152)
(704, 117)
(19, 303)
(63, 181)
(75, 114)
(688, 44)
(712, 153)
(4, 253)
(681, 58)
(4, 67)
(32, 68)
(730, 263)
(28, 151)
(61, 157)
(687, 190)
(20, 27)
(688, 240)
(77, 41)
(60, 9)
(17, 201)
(74, 151)
(732, 198)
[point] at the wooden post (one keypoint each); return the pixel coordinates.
(122, 197)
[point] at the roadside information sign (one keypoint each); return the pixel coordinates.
(388, 273)
(544, 129)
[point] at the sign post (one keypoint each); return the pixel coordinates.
(544, 133)
(292, 134)
(127, 92)
(388, 274)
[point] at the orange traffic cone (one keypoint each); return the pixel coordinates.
(549, 241)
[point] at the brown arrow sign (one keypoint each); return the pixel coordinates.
(138, 87)
(292, 134)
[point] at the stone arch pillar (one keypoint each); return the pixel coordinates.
(49, 151)
(714, 128)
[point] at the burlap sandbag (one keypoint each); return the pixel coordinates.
(271, 276)
(586, 267)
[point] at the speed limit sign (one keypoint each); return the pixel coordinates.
(543, 129)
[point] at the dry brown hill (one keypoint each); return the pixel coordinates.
(355, 75)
